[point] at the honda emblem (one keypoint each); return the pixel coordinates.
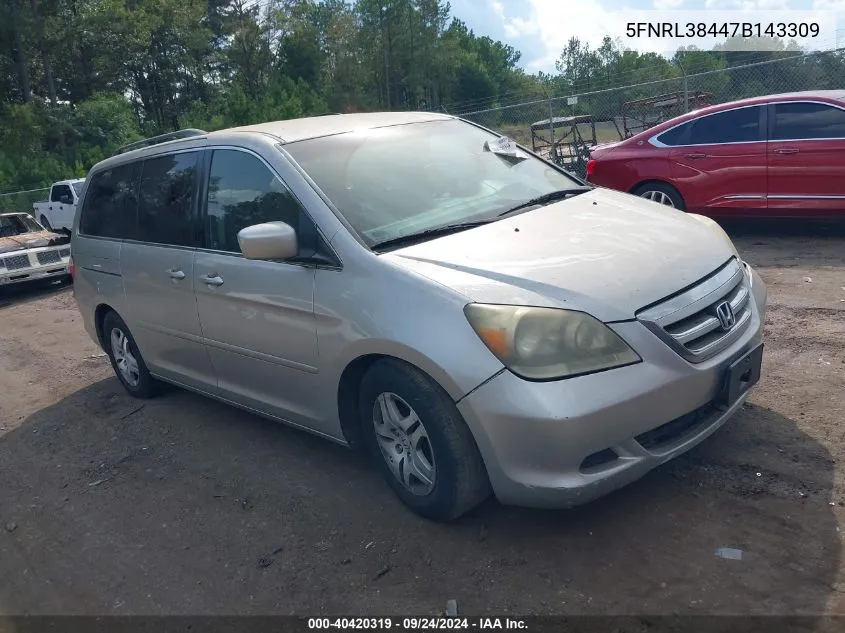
(726, 316)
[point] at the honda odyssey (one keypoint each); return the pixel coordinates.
(413, 283)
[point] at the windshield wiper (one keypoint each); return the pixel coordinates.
(421, 236)
(546, 198)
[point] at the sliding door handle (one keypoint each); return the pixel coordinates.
(212, 280)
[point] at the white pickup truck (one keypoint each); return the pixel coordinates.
(57, 212)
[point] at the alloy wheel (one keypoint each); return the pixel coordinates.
(659, 197)
(404, 443)
(126, 362)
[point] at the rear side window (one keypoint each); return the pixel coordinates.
(166, 200)
(676, 136)
(741, 125)
(801, 121)
(242, 191)
(111, 204)
(59, 191)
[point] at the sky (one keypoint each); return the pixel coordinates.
(541, 28)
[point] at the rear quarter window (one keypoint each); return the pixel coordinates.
(110, 208)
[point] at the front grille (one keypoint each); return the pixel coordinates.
(48, 257)
(689, 321)
(16, 262)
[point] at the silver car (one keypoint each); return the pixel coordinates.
(476, 317)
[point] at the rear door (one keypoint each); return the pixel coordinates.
(719, 161)
(806, 158)
(158, 271)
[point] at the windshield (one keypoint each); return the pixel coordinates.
(77, 187)
(405, 179)
(12, 225)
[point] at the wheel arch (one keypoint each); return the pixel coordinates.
(349, 382)
(100, 313)
(649, 181)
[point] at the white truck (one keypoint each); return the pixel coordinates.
(57, 212)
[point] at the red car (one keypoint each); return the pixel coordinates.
(779, 155)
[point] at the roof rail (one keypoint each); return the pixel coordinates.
(161, 138)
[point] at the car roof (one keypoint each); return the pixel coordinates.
(807, 95)
(833, 95)
(288, 131)
(6, 215)
(68, 182)
(294, 130)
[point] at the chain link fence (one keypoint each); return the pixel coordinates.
(564, 128)
(22, 200)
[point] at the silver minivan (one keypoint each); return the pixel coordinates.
(413, 283)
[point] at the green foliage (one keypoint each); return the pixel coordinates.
(79, 78)
(92, 75)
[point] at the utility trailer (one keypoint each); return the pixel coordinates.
(566, 140)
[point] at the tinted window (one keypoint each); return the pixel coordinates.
(165, 209)
(734, 126)
(808, 120)
(243, 192)
(59, 191)
(77, 187)
(675, 136)
(111, 204)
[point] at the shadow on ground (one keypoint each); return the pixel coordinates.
(183, 505)
(17, 294)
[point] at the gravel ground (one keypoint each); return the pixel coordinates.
(186, 506)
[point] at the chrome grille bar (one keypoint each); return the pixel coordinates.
(687, 321)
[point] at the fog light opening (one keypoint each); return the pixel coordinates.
(599, 459)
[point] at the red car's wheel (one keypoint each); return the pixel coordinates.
(661, 193)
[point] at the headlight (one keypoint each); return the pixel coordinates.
(548, 343)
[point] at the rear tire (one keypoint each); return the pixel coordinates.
(126, 360)
(661, 193)
(420, 442)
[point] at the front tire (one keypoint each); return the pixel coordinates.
(420, 442)
(126, 360)
(661, 193)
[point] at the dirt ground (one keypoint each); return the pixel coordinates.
(186, 506)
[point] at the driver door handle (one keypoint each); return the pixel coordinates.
(786, 150)
(694, 156)
(176, 274)
(212, 280)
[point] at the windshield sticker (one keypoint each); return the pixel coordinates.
(504, 146)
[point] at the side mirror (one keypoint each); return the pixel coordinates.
(65, 199)
(271, 240)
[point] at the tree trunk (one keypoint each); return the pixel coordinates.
(45, 55)
(22, 63)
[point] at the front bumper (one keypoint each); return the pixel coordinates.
(8, 278)
(534, 437)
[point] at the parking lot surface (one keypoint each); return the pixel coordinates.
(182, 505)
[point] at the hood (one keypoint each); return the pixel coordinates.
(603, 252)
(32, 240)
